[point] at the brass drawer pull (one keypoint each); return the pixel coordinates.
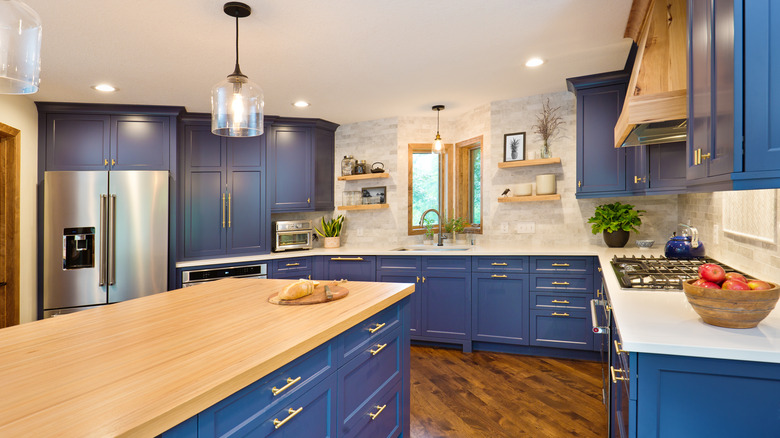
(293, 264)
(560, 283)
(292, 412)
(377, 327)
(380, 348)
(418, 279)
(423, 279)
(561, 265)
(345, 259)
(560, 301)
(376, 414)
(498, 264)
(615, 378)
(497, 276)
(560, 314)
(618, 350)
(290, 382)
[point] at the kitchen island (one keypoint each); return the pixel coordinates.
(143, 366)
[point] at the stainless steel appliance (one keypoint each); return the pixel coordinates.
(658, 273)
(195, 277)
(292, 235)
(105, 238)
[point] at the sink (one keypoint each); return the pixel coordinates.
(431, 248)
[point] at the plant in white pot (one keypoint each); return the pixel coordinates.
(615, 221)
(331, 231)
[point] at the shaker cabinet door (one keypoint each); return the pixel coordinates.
(290, 153)
(77, 142)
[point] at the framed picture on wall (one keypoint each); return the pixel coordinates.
(514, 147)
(374, 195)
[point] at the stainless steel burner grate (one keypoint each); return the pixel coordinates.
(658, 273)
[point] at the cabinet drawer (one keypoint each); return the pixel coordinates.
(562, 282)
(499, 264)
(380, 418)
(375, 368)
(292, 264)
(398, 263)
(367, 331)
(561, 328)
(353, 268)
(562, 264)
(287, 382)
(541, 300)
(446, 263)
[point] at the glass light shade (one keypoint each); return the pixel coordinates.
(20, 48)
(237, 108)
(436, 148)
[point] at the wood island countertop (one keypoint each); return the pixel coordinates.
(140, 367)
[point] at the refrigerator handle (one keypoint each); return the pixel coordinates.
(111, 240)
(103, 240)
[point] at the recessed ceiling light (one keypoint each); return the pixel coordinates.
(301, 104)
(534, 62)
(104, 87)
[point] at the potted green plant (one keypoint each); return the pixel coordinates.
(429, 226)
(615, 221)
(331, 231)
(457, 225)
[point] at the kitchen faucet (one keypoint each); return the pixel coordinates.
(441, 234)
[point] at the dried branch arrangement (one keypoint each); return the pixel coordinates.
(548, 121)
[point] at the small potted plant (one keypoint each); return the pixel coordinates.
(615, 221)
(429, 226)
(457, 225)
(331, 231)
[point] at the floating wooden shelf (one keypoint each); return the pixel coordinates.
(554, 197)
(364, 176)
(523, 163)
(364, 207)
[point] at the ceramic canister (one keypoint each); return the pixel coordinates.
(545, 184)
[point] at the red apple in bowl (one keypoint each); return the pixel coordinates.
(759, 285)
(712, 272)
(699, 282)
(709, 285)
(736, 276)
(735, 285)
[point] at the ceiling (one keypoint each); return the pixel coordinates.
(354, 60)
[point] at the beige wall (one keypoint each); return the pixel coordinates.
(20, 112)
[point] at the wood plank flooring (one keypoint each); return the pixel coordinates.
(496, 395)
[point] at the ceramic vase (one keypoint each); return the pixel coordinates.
(332, 242)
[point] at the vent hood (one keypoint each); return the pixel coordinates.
(656, 106)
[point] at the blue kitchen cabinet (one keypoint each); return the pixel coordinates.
(302, 165)
(223, 203)
(292, 268)
(499, 308)
(446, 300)
(404, 269)
(657, 169)
(561, 328)
(352, 268)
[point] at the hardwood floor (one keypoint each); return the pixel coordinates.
(496, 395)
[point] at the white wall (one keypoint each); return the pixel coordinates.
(20, 112)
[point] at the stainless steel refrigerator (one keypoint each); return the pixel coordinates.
(105, 238)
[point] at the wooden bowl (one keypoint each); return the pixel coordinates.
(731, 308)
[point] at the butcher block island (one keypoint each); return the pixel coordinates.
(213, 359)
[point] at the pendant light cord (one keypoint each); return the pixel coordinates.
(237, 70)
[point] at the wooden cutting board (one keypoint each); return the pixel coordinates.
(316, 297)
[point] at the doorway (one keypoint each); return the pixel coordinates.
(10, 157)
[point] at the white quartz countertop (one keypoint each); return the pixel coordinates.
(659, 322)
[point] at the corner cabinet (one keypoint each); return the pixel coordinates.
(301, 163)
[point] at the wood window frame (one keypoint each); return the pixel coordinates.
(10, 170)
(463, 181)
(446, 168)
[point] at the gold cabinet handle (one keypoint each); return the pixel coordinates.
(309, 276)
(497, 276)
(599, 268)
(230, 211)
(418, 279)
(376, 414)
(615, 378)
(379, 348)
(560, 265)
(293, 412)
(290, 382)
(703, 157)
(353, 259)
(560, 301)
(105, 161)
(223, 210)
(113, 162)
(560, 283)
(560, 314)
(579, 183)
(618, 350)
(423, 279)
(377, 327)
(498, 264)
(293, 264)
(308, 200)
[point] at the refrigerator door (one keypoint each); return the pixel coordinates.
(138, 234)
(73, 239)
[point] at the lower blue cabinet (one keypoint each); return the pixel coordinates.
(561, 328)
(381, 416)
(446, 305)
(415, 299)
(352, 268)
(500, 308)
(291, 269)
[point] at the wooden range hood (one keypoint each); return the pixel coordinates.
(657, 91)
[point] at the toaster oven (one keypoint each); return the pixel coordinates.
(290, 235)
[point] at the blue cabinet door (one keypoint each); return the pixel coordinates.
(77, 141)
(324, 163)
(637, 170)
(666, 168)
(353, 268)
(247, 228)
(500, 308)
(415, 302)
(561, 328)
(446, 305)
(204, 203)
(291, 158)
(140, 143)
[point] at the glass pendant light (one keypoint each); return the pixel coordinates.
(237, 102)
(437, 146)
(20, 48)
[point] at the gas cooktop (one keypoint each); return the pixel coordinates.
(658, 273)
